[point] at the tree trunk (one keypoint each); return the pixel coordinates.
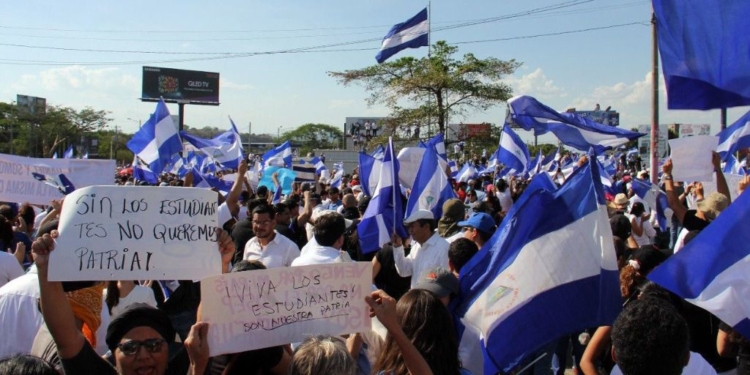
(440, 112)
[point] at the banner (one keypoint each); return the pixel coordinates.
(692, 157)
(263, 308)
(18, 185)
(137, 233)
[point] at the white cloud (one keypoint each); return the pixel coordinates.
(78, 78)
(536, 84)
(229, 85)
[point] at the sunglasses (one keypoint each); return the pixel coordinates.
(132, 347)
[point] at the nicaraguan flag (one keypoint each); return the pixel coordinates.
(575, 131)
(336, 179)
(68, 153)
(413, 33)
(438, 144)
(60, 182)
(142, 172)
(502, 297)
(454, 168)
(369, 172)
(733, 165)
(54, 156)
(549, 161)
(305, 171)
(512, 151)
(385, 212)
(319, 165)
(280, 156)
(467, 173)
(654, 198)
(157, 140)
(206, 181)
(735, 137)
(431, 187)
(225, 149)
(712, 270)
(276, 196)
(378, 153)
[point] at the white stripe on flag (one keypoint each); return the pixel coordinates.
(406, 35)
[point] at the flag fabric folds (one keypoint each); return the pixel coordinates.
(467, 172)
(413, 33)
(60, 182)
(68, 153)
(711, 270)
(369, 172)
(438, 144)
(208, 181)
(431, 188)
(572, 130)
(280, 156)
(513, 151)
(385, 211)
(225, 149)
(320, 166)
(305, 171)
(157, 140)
(378, 153)
(142, 172)
(54, 156)
(702, 75)
(735, 137)
(564, 233)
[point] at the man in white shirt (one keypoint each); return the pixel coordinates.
(328, 238)
(268, 246)
(21, 318)
(429, 250)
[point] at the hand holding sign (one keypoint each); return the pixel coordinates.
(42, 248)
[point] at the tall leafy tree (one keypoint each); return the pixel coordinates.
(432, 89)
(314, 137)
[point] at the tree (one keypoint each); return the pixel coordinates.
(437, 87)
(315, 137)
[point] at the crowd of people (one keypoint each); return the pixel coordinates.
(155, 327)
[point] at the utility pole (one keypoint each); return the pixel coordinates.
(112, 143)
(654, 165)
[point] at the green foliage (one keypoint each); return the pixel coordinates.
(435, 87)
(314, 137)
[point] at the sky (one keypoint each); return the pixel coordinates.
(91, 53)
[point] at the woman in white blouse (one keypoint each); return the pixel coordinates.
(642, 231)
(120, 294)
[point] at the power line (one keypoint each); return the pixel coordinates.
(314, 49)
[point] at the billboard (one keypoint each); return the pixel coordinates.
(462, 132)
(611, 118)
(644, 143)
(180, 86)
(689, 130)
(31, 105)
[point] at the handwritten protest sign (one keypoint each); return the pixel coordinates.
(733, 181)
(131, 233)
(18, 185)
(258, 309)
(692, 157)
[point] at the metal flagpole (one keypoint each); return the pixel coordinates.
(654, 163)
(429, 55)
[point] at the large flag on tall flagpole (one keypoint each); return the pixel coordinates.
(413, 33)
(712, 270)
(564, 232)
(735, 137)
(431, 187)
(572, 130)
(513, 151)
(701, 75)
(157, 140)
(385, 211)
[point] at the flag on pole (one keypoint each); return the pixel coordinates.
(735, 137)
(225, 149)
(413, 33)
(305, 171)
(385, 211)
(68, 153)
(438, 144)
(431, 187)
(500, 297)
(513, 151)
(378, 153)
(142, 172)
(711, 270)
(60, 182)
(280, 156)
(157, 140)
(369, 172)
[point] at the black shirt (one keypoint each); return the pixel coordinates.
(388, 278)
(241, 233)
(692, 222)
(87, 362)
(286, 232)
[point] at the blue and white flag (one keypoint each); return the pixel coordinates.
(206, 181)
(733, 166)
(735, 137)
(378, 153)
(385, 211)
(413, 33)
(502, 299)
(142, 172)
(305, 171)
(85, 156)
(336, 179)
(654, 198)
(280, 156)
(468, 172)
(369, 172)
(157, 140)
(60, 182)
(438, 144)
(319, 165)
(454, 168)
(225, 149)
(513, 151)
(68, 153)
(276, 196)
(711, 270)
(54, 156)
(573, 130)
(549, 163)
(431, 187)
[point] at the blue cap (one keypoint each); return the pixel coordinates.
(480, 221)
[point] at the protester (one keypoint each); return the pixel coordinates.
(429, 251)
(123, 293)
(322, 355)
(268, 246)
(453, 212)
(478, 228)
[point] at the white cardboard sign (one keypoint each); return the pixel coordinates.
(692, 157)
(263, 308)
(137, 233)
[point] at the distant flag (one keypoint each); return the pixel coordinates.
(573, 130)
(437, 144)
(68, 153)
(201, 180)
(378, 153)
(280, 156)
(369, 172)
(467, 173)
(142, 172)
(548, 161)
(85, 156)
(320, 166)
(157, 140)
(385, 211)
(305, 171)
(60, 182)
(735, 137)
(431, 187)
(338, 166)
(711, 270)
(225, 149)
(276, 196)
(501, 299)
(54, 156)
(336, 179)
(512, 151)
(454, 167)
(413, 33)
(654, 198)
(702, 75)
(732, 165)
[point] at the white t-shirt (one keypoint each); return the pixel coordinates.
(648, 231)
(280, 252)
(20, 314)
(139, 294)
(9, 267)
(505, 199)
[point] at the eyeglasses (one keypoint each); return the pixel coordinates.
(261, 223)
(132, 347)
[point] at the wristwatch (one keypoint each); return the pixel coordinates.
(667, 177)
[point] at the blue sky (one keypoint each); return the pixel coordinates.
(607, 66)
